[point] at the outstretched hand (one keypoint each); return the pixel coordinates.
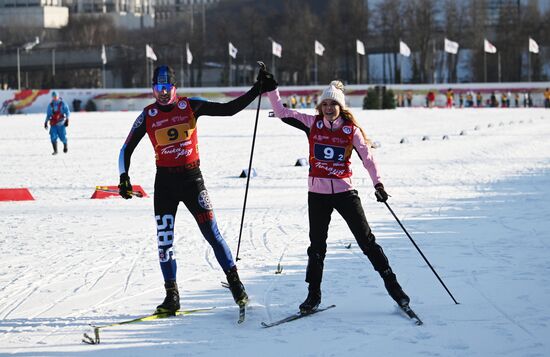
(267, 80)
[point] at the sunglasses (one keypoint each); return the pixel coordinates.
(164, 86)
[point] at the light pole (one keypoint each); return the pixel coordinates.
(27, 47)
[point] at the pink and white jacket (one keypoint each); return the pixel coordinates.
(304, 122)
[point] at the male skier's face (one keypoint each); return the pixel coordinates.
(330, 109)
(164, 93)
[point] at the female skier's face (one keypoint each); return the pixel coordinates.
(330, 109)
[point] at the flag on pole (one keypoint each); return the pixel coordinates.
(451, 46)
(149, 53)
(103, 55)
(489, 47)
(404, 49)
(277, 49)
(533, 46)
(319, 48)
(360, 47)
(189, 54)
(232, 50)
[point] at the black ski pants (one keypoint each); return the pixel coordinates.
(348, 204)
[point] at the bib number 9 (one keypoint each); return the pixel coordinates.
(173, 134)
(329, 153)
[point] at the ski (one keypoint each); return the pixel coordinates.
(295, 316)
(411, 314)
(110, 190)
(242, 313)
(242, 306)
(96, 340)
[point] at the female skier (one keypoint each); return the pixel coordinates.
(333, 134)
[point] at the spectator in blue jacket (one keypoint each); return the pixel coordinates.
(58, 116)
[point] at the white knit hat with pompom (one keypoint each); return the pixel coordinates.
(335, 91)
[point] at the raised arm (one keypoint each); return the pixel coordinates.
(203, 107)
(264, 83)
(286, 113)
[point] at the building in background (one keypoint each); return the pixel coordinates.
(54, 14)
(168, 10)
(41, 14)
(126, 14)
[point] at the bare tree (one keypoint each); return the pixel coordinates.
(344, 22)
(420, 21)
(508, 42)
(299, 38)
(89, 30)
(478, 31)
(533, 25)
(456, 26)
(390, 25)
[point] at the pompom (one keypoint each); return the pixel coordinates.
(337, 85)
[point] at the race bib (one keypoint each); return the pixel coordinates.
(173, 134)
(329, 153)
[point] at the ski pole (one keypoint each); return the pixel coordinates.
(107, 189)
(417, 248)
(262, 67)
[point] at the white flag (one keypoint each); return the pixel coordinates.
(533, 46)
(488, 46)
(149, 53)
(404, 49)
(103, 55)
(189, 54)
(277, 49)
(232, 50)
(319, 48)
(360, 47)
(451, 46)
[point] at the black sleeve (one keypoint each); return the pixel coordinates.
(137, 132)
(297, 124)
(202, 107)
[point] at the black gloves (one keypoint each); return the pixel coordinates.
(66, 122)
(46, 125)
(380, 193)
(125, 187)
(267, 80)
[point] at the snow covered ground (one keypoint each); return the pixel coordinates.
(478, 205)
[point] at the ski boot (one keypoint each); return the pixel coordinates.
(236, 287)
(171, 302)
(394, 289)
(54, 145)
(65, 148)
(312, 301)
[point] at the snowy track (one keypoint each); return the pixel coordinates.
(478, 205)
